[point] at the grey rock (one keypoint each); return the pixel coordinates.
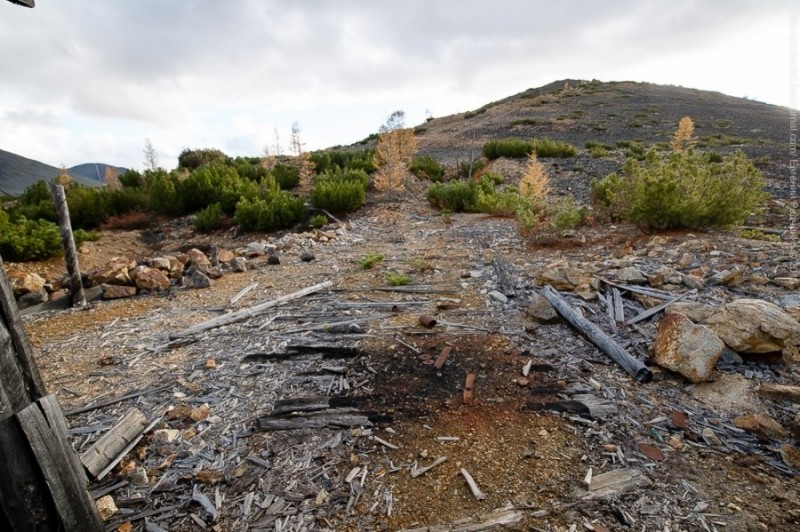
(196, 279)
(631, 275)
(307, 256)
(499, 296)
(540, 310)
(239, 264)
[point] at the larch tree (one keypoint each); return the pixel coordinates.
(305, 166)
(150, 155)
(684, 137)
(111, 178)
(535, 183)
(395, 150)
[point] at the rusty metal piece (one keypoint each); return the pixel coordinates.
(427, 321)
(651, 451)
(680, 419)
(442, 357)
(468, 387)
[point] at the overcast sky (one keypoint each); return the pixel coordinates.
(90, 80)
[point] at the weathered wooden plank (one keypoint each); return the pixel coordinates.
(25, 502)
(109, 402)
(314, 421)
(108, 447)
(619, 310)
(283, 407)
(247, 313)
(56, 458)
(489, 521)
(658, 308)
(616, 482)
(619, 355)
(23, 384)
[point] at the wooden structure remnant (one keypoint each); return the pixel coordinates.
(42, 483)
(68, 241)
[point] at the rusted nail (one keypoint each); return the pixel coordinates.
(468, 385)
(442, 357)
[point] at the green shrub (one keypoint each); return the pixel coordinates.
(370, 260)
(598, 152)
(504, 203)
(426, 167)
(756, 234)
(88, 207)
(553, 148)
(194, 159)
(162, 192)
(564, 214)
(35, 203)
(338, 196)
(286, 175)
(464, 168)
(518, 148)
(523, 122)
(513, 148)
(683, 189)
(210, 183)
(208, 219)
(397, 279)
(595, 144)
(329, 160)
(456, 196)
(318, 221)
(248, 168)
(26, 240)
(279, 211)
(131, 179)
(608, 196)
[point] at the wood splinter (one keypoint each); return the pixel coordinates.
(417, 471)
(473, 486)
(469, 384)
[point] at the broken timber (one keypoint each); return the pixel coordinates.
(619, 355)
(317, 420)
(251, 312)
(655, 310)
(97, 457)
(327, 351)
(616, 482)
(496, 518)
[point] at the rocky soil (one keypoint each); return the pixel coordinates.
(552, 432)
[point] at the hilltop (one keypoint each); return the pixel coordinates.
(18, 173)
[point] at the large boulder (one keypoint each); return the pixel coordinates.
(697, 312)
(115, 271)
(198, 259)
(150, 279)
(24, 282)
(756, 326)
(540, 310)
(114, 291)
(689, 349)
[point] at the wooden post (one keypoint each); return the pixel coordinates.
(42, 484)
(70, 253)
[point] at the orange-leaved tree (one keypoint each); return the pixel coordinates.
(395, 150)
(684, 137)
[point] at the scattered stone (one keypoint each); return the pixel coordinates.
(198, 259)
(666, 275)
(756, 326)
(32, 298)
(711, 437)
(273, 259)
(689, 349)
(211, 364)
(694, 282)
(239, 264)
(139, 477)
(160, 263)
(214, 273)
(23, 282)
(656, 279)
(196, 279)
(563, 278)
(675, 442)
(686, 261)
(200, 413)
(208, 477)
(760, 424)
(150, 279)
(225, 255)
(106, 507)
(499, 296)
(522, 381)
(307, 256)
(114, 291)
(781, 391)
(789, 283)
(540, 310)
(115, 271)
(631, 275)
(697, 312)
(729, 356)
(734, 278)
(543, 433)
(791, 456)
(166, 435)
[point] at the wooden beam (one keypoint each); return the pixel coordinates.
(108, 447)
(634, 367)
(233, 317)
(68, 241)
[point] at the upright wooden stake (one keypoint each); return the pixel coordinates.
(70, 253)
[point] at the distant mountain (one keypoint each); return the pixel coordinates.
(18, 173)
(94, 171)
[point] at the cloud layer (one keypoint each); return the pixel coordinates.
(89, 81)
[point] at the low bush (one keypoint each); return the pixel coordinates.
(194, 159)
(467, 170)
(598, 152)
(27, 240)
(318, 221)
(456, 196)
(287, 176)
(518, 148)
(370, 260)
(208, 219)
(162, 192)
(338, 196)
(277, 211)
(427, 167)
(683, 190)
(344, 160)
(397, 279)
